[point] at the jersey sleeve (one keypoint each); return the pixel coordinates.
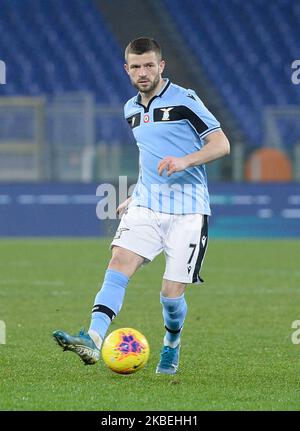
(204, 121)
(125, 109)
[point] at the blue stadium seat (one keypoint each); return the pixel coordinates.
(247, 49)
(60, 46)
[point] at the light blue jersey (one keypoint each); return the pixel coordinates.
(173, 124)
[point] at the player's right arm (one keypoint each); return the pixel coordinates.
(216, 146)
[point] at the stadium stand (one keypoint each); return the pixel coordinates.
(182, 67)
(236, 55)
(58, 48)
(55, 150)
(247, 49)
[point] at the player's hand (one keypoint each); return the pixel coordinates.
(123, 207)
(172, 164)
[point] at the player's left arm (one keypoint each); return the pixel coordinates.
(216, 146)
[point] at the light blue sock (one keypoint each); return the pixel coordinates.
(174, 312)
(108, 301)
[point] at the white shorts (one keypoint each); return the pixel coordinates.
(183, 238)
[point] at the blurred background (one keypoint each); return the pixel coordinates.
(62, 131)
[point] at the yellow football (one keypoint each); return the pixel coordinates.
(125, 350)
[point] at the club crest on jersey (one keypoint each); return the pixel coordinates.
(146, 118)
(166, 115)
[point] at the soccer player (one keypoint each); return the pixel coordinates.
(168, 211)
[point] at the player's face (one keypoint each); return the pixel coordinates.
(144, 71)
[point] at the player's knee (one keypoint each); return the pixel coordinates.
(172, 289)
(124, 261)
(118, 260)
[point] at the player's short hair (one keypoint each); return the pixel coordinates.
(141, 45)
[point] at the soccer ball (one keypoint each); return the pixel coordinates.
(125, 351)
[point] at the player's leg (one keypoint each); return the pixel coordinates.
(174, 312)
(107, 305)
(109, 300)
(137, 239)
(185, 248)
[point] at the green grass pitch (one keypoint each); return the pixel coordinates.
(237, 352)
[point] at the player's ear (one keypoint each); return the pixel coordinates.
(126, 68)
(162, 65)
